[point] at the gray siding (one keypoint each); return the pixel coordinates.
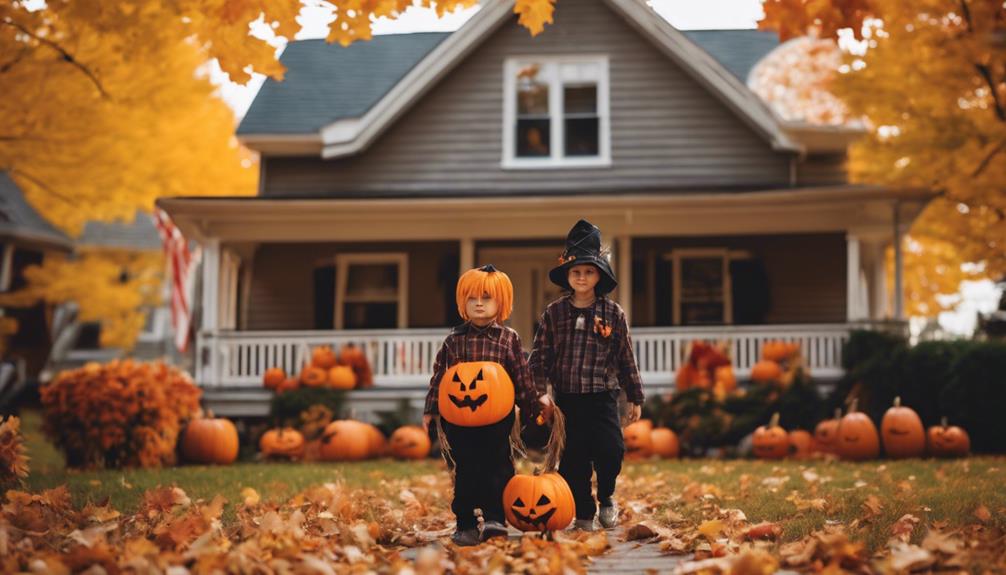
(822, 170)
(667, 131)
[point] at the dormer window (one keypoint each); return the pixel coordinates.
(556, 112)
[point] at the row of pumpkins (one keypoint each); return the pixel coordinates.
(348, 369)
(708, 366)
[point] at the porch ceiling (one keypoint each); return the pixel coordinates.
(863, 210)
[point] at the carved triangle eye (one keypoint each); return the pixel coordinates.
(457, 379)
(518, 503)
(543, 500)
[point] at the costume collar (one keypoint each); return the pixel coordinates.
(575, 311)
(472, 329)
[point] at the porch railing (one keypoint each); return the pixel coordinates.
(404, 358)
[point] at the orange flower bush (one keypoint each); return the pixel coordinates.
(121, 414)
(13, 461)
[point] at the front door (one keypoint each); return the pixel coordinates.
(528, 270)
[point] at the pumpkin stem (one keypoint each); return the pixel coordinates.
(943, 421)
(536, 472)
(774, 422)
(838, 413)
(854, 405)
(897, 401)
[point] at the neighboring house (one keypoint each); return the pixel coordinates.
(27, 238)
(390, 166)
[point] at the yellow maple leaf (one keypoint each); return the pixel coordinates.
(534, 14)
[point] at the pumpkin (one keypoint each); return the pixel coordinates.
(375, 441)
(688, 376)
(273, 377)
(312, 376)
(345, 440)
(826, 433)
(410, 442)
(354, 357)
(801, 444)
(725, 378)
(540, 502)
(770, 441)
(323, 357)
(902, 432)
(638, 439)
(664, 442)
(948, 441)
(765, 371)
(210, 440)
(857, 436)
(289, 384)
(778, 351)
(475, 394)
(284, 442)
(341, 377)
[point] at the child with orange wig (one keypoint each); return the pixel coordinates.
(481, 454)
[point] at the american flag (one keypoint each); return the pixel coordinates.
(181, 262)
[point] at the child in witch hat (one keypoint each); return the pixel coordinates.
(582, 347)
(481, 454)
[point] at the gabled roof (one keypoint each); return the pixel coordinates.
(21, 224)
(347, 134)
(138, 235)
(736, 50)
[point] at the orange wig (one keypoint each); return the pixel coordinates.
(485, 280)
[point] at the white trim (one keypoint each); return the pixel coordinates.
(853, 309)
(342, 263)
(211, 285)
(725, 254)
(283, 144)
(558, 159)
(230, 265)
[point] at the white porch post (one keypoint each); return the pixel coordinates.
(877, 278)
(624, 266)
(467, 259)
(899, 265)
(852, 303)
(211, 286)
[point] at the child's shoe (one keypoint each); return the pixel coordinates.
(608, 516)
(492, 529)
(465, 537)
(584, 524)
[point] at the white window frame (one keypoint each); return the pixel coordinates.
(557, 159)
(342, 263)
(726, 255)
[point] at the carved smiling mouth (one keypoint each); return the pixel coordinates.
(468, 402)
(539, 521)
(852, 439)
(897, 431)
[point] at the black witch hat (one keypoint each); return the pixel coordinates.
(583, 246)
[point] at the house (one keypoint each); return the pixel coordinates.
(390, 166)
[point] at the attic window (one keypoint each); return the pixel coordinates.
(556, 112)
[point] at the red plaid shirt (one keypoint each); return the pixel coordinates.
(495, 342)
(587, 355)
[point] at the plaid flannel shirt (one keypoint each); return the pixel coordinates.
(594, 357)
(495, 342)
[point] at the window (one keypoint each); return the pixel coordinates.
(702, 285)
(556, 112)
(371, 291)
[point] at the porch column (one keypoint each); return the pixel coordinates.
(467, 259)
(6, 264)
(211, 286)
(853, 308)
(899, 265)
(624, 263)
(875, 266)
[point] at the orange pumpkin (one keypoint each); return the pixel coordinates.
(902, 432)
(375, 441)
(664, 442)
(210, 440)
(766, 371)
(826, 433)
(341, 377)
(345, 440)
(475, 394)
(312, 376)
(770, 441)
(857, 436)
(410, 442)
(948, 441)
(538, 502)
(354, 357)
(289, 384)
(273, 377)
(284, 442)
(725, 378)
(323, 357)
(778, 351)
(638, 439)
(801, 444)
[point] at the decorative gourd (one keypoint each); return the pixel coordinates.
(376, 442)
(323, 357)
(540, 502)
(210, 440)
(770, 441)
(284, 442)
(801, 444)
(826, 433)
(289, 384)
(902, 432)
(410, 442)
(766, 371)
(638, 440)
(345, 440)
(312, 376)
(273, 377)
(946, 441)
(665, 442)
(475, 394)
(341, 377)
(857, 436)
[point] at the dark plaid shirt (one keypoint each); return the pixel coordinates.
(585, 360)
(495, 342)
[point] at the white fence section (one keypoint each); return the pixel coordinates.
(404, 358)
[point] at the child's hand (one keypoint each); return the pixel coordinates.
(634, 413)
(546, 408)
(427, 420)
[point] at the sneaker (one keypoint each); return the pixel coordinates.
(608, 516)
(584, 524)
(492, 529)
(465, 537)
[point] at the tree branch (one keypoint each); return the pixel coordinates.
(66, 56)
(982, 165)
(8, 65)
(42, 185)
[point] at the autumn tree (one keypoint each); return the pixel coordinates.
(932, 88)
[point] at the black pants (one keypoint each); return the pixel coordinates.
(593, 443)
(483, 467)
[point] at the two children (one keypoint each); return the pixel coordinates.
(582, 348)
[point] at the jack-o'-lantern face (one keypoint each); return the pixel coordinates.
(285, 442)
(410, 442)
(476, 393)
(771, 441)
(901, 429)
(947, 441)
(825, 433)
(638, 441)
(538, 502)
(857, 437)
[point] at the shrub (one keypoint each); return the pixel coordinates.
(13, 459)
(121, 414)
(873, 363)
(285, 408)
(975, 397)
